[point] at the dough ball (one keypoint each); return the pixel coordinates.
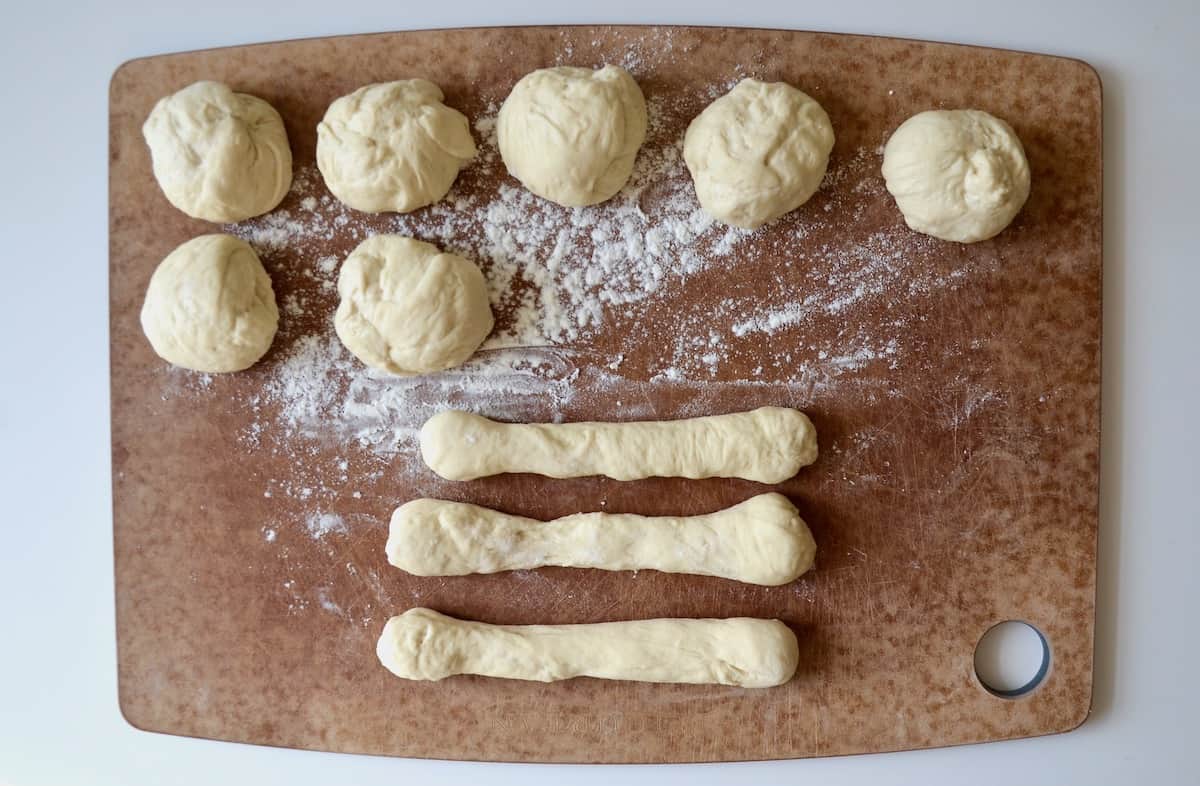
(392, 146)
(407, 308)
(757, 152)
(570, 135)
(956, 174)
(219, 155)
(210, 306)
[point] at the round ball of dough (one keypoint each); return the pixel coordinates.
(956, 174)
(392, 146)
(757, 152)
(571, 135)
(210, 307)
(219, 155)
(407, 308)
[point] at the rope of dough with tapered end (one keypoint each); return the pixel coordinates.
(769, 445)
(760, 541)
(422, 644)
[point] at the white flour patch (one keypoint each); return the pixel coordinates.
(296, 602)
(326, 602)
(384, 413)
(321, 524)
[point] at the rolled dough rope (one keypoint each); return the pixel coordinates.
(760, 541)
(769, 445)
(422, 644)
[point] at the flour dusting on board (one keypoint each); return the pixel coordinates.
(321, 524)
(558, 279)
(577, 263)
(556, 276)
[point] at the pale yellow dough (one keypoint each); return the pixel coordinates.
(571, 135)
(392, 146)
(758, 152)
(219, 155)
(408, 308)
(422, 644)
(769, 445)
(210, 307)
(956, 174)
(760, 541)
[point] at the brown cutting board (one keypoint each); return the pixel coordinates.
(955, 390)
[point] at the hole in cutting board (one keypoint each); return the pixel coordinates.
(1012, 659)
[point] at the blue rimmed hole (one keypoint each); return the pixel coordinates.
(1012, 659)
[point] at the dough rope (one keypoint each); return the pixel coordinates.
(768, 445)
(422, 644)
(760, 541)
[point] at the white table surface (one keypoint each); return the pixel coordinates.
(59, 722)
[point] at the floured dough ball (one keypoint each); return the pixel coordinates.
(757, 152)
(956, 174)
(219, 155)
(210, 306)
(407, 308)
(392, 146)
(571, 135)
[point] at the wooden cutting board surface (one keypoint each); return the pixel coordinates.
(955, 390)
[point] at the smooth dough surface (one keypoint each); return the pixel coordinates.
(571, 135)
(219, 155)
(210, 306)
(956, 174)
(769, 445)
(392, 146)
(758, 152)
(760, 541)
(422, 644)
(408, 308)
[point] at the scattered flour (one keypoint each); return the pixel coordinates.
(826, 317)
(321, 524)
(557, 270)
(562, 281)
